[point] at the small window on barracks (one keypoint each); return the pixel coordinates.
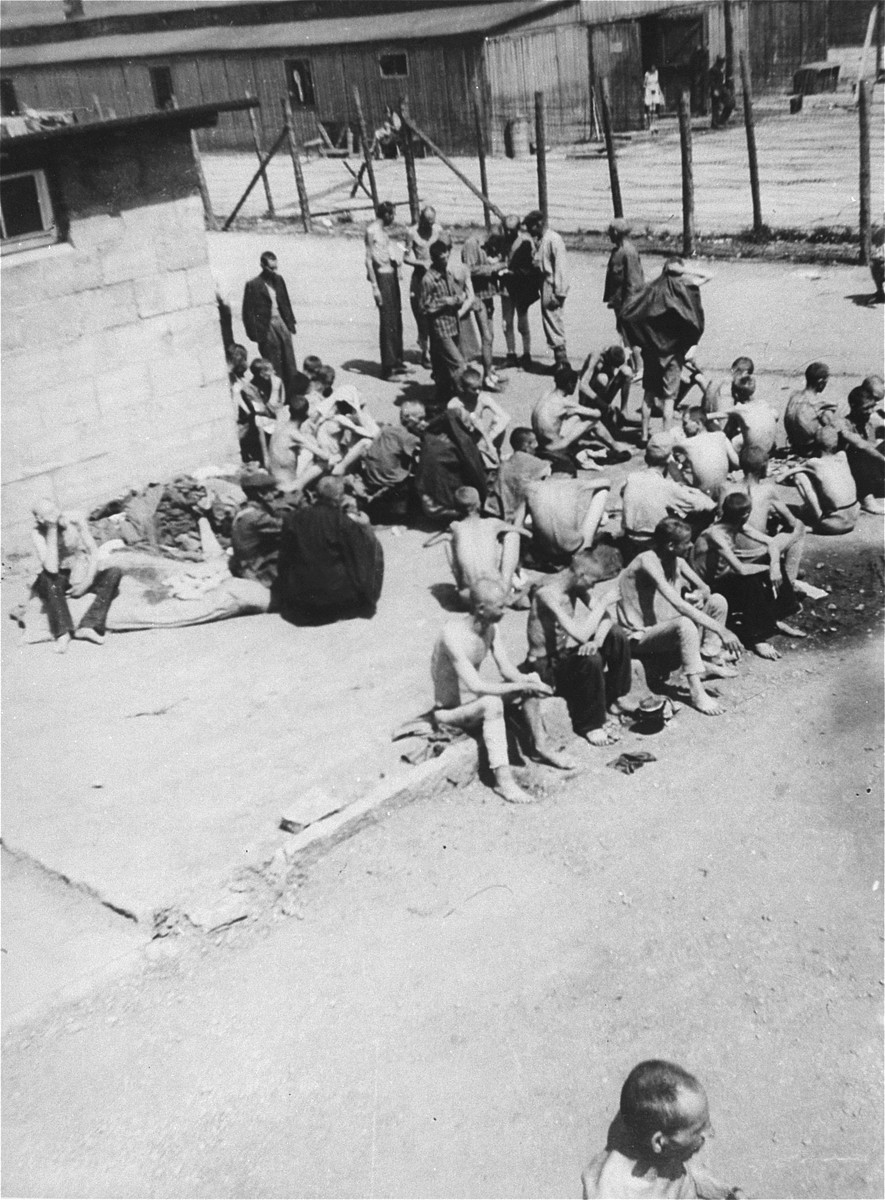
(161, 83)
(300, 82)
(394, 66)
(26, 216)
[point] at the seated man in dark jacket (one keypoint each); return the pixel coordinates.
(331, 566)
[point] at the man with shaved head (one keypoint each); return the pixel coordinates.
(460, 650)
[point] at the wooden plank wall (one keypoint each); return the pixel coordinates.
(617, 55)
(782, 35)
(555, 61)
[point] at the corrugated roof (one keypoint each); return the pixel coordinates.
(410, 24)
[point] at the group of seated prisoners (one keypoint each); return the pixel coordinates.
(706, 563)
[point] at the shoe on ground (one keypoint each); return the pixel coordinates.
(527, 363)
(512, 361)
(489, 385)
(86, 634)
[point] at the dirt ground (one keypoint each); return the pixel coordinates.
(448, 1002)
(808, 169)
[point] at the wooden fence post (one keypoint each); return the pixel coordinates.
(444, 158)
(263, 164)
(303, 202)
(605, 113)
(758, 227)
(479, 130)
(256, 142)
(864, 97)
(687, 173)
(541, 151)
(366, 145)
(409, 157)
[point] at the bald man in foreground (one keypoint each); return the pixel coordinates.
(460, 650)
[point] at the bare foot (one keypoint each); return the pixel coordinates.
(555, 758)
(61, 644)
(507, 787)
(606, 736)
(707, 705)
(86, 634)
(871, 505)
(514, 794)
(766, 650)
(702, 700)
(790, 630)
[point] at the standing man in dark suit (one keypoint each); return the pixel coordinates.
(269, 320)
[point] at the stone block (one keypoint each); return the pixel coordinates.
(59, 446)
(66, 273)
(62, 318)
(128, 261)
(100, 232)
(185, 249)
(19, 495)
(141, 341)
(201, 285)
(69, 403)
(108, 307)
(123, 389)
(213, 365)
(162, 292)
(174, 374)
(92, 354)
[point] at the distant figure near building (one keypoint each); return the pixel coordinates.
(721, 94)
(383, 259)
(268, 319)
(652, 98)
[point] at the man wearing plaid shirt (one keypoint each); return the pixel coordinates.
(444, 300)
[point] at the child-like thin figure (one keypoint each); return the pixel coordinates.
(704, 456)
(769, 513)
(744, 565)
(663, 1122)
(751, 423)
(827, 486)
(480, 547)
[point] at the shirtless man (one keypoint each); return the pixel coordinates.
(769, 513)
(560, 423)
(565, 515)
(713, 397)
(860, 435)
(650, 496)
(459, 652)
(480, 547)
(584, 657)
(704, 456)
(751, 424)
(481, 414)
(673, 619)
(69, 567)
(604, 385)
(806, 411)
(827, 487)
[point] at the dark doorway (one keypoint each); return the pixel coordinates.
(677, 47)
(161, 83)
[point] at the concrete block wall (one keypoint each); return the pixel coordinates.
(113, 365)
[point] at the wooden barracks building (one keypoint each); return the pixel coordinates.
(117, 59)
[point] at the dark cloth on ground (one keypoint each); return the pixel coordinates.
(753, 607)
(52, 588)
(588, 683)
(390, 458)
(330, 567)
(524, 281)
(449, 460)
(255, 540)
